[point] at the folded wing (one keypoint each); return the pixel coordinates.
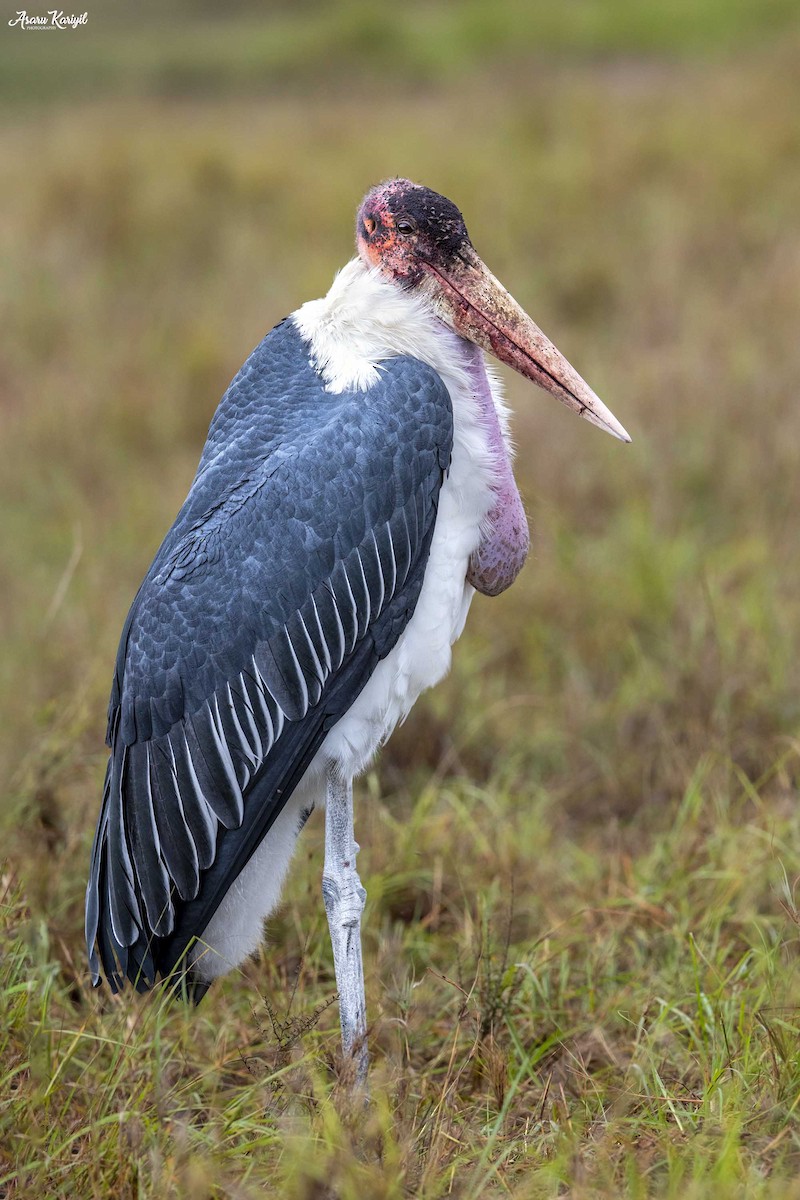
(290, 572)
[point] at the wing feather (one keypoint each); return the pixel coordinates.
(151, 873)
(213, 767)
(385, 551)
(345, 602)
(240, 698)
(371, 562)
(124, 905)
(263, 712)
(232, 723)
(331, 624)
(401, 543)
(198, 813)
(316, 636)
(178, 849)
(291, 570)
(354, 570)
(306, 655)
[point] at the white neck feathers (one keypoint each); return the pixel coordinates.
(364, 319)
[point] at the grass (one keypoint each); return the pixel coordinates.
(581, 851)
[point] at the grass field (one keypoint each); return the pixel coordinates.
(582, 852)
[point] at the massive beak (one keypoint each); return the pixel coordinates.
(469, 299)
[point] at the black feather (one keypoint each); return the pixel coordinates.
(213, 767)
(177, 844)
(145, 844)
(198, 814)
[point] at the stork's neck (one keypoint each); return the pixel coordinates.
(365, 319)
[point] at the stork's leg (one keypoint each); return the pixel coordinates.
(344, 902)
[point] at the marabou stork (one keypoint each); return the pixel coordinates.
(354, 492)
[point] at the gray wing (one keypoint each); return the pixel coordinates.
(290, 572)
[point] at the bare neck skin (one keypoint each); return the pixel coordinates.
(504, 544)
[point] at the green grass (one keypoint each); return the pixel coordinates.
(581, 851)
(632, 1025)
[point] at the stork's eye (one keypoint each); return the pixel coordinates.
(369, 225)
(405, 226)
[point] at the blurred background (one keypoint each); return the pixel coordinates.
(176, 182)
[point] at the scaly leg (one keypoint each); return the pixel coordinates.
(344, 902)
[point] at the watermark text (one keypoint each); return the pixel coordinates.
(56, 18)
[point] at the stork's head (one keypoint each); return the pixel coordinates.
(418, 239)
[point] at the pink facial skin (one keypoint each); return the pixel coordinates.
(504, 545)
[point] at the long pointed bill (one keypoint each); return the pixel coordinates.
(469, 299)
